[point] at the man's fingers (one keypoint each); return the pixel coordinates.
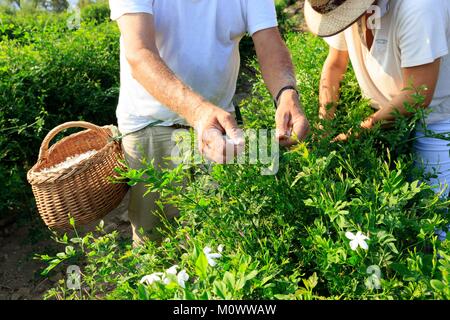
(235, 141)
(232, 130)
(283, 131)
(218, 148)
(301, 127)
(220, 151)
(213, 145)
(213, 154)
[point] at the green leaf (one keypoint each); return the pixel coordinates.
(229, 280)
(142, 292)
(188, 295)
(70, 251)
(76, 240)
(205, 296)
(72, 222)
(201, 266)
(392, 246)
(313, 280)
(61, 255)
(240, 284)
(437, 285)
(52, 265)
(251, 275)
(220, 290)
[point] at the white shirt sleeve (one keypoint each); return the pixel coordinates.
(337, 41)
(261, 14)
(421, 33)
(121, 7)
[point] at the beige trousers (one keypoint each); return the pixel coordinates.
(149, 143)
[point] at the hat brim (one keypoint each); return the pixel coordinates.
(337, 20)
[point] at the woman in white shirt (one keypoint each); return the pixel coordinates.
(391, 45)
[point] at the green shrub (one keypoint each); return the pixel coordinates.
(98, 13)
(28, 27)
(284, 236)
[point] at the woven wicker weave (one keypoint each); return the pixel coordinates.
(82, 191)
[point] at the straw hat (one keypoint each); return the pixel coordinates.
(326, 18)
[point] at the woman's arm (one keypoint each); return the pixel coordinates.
(414, 78)
(332, 74)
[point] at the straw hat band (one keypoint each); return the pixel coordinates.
(325, 6)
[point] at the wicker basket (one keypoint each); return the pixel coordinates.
(83, 190)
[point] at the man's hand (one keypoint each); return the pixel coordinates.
(219, 137)
(292, 125)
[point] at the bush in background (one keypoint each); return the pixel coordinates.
(98, 12)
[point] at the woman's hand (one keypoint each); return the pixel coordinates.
(366, 125)
(343, 137)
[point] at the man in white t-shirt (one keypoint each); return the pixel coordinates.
(391, 45)
(179, 67)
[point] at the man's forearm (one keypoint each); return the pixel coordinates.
(278, 72)
(156, 77)
(275, 61)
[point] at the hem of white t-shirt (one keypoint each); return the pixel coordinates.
(421, 62)
(437, 118)
(134, 9)
(337, 47)
(262, 26)
(143, 126)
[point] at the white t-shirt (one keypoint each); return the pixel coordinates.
(413, 33)
(199, 41)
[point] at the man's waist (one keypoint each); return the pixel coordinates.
(127, 127)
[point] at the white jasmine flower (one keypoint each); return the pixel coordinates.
(358, 240)
(151, 278)
(172, 270)
(182, 277)
(169, 274)
(220, 248)
(168, 277)
(211, 256)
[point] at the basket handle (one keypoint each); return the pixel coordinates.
(73, 124)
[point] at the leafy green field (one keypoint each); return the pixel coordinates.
(282, 236)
